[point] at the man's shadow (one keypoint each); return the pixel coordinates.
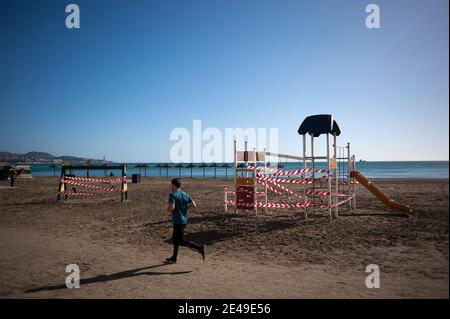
(115, 276)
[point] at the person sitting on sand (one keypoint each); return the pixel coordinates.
(179, 203)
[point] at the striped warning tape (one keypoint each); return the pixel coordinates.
(288, 181)
(303, 205)
(324, 193)
(283, 205)
(83, 193)
(71, 193)
(273, 189)
(96, 180)
(282, 172)
(284, 188)
(107, 189)
(269, 205)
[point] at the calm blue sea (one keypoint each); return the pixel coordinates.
(435, 169)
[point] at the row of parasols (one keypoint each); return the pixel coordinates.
(190, 166)
(164, 168)
(180, 167)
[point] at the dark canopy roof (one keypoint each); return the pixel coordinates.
(319, 124)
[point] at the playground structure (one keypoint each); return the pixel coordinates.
(91, 186)
(309, 188)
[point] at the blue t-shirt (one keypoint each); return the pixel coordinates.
(180, 213)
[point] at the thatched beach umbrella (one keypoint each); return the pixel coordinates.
(226, 166)
(127, 166)
(160, 168)
(190, 165)
(215, 169)
(88, 163)
(166, 166)
(140, 168)
(179, 166)
(145, 166)
(204, 166)
(67, 163)
(105, 172)
(54, 169)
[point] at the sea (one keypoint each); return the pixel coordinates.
(371, 169)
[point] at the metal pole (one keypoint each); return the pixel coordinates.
(235, 178)
(349, 169)
(265, 174)
(304, 174)
(304, 151)
(313, 173)
(354, 185)
(255, 185)
(246, 158)
(225, 199)
(336, 177)
(329, 176)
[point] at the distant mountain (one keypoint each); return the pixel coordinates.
(40, 157)
(7, 155)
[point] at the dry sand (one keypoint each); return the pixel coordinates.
(120, 247)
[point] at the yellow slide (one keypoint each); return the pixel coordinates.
(379, 193)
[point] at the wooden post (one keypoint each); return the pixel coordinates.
(62, 185)
(124, 194)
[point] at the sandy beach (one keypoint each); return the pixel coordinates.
(120, 246)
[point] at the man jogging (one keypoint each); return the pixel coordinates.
(179, 202)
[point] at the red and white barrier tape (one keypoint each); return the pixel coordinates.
(270, 205)
(95, 180)
(323, 193)
(70, 193)
(282, 172)
(284, 205)
(279, 186)
(284, 188)
(284, 180)
(273, 189)
(107, 189)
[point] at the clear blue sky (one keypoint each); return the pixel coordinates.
(137, 69)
